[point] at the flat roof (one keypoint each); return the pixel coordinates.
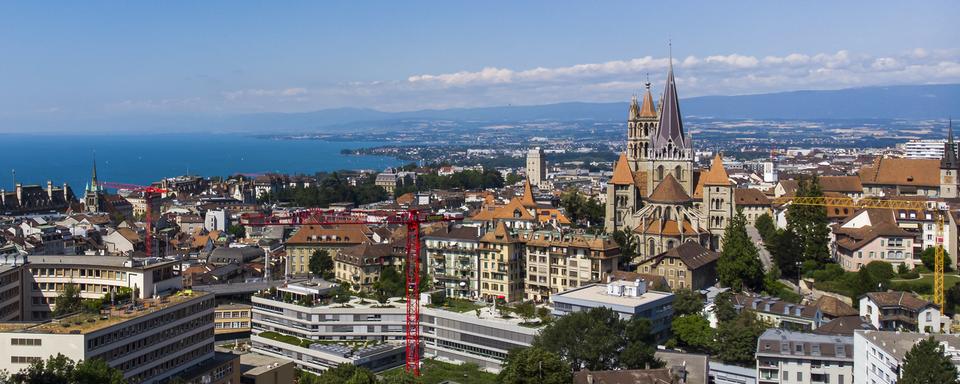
(96, 261)
(898, 343)
(237, 288)
(256, 364)
(597, 293)
(84, 323)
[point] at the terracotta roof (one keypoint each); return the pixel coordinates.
(790, 187)
(527, 199)
(668, 228)
(596, 243)
(833, 307)
(691, 253)
(648, 109)
(406, 198)
(621, 172)
(843, 184)
(855, 238)
(499, 235)
(330, 235)
(669, 191)
(899, 299)
(897, 171)
(512, 210)
(640, 181)
(129, 234)
(750, 196)
(457, 233)
(546, 215)
(717, 175)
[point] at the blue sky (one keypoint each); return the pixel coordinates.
(94, 59)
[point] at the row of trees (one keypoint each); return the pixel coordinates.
(331, 188)
(350, 374)
(469, 179)
(60, 369)
(734, 340)
(581, 209)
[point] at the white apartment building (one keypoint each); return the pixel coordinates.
(797, 357)
(453, 257)
(46, 276)
(895, 311)
(627, 298)
(149, 342)
(924, 149)
(879, 354)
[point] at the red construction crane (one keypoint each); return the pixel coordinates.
(410, 218)
(148, 193)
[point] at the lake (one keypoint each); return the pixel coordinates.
(141, 159)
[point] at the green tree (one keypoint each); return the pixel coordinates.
(629, 245)
(60, 369)
(766, 227)
(391, 282)
(343, 294)
(96, 371)
(599, 340)
(68, 301)
(640, 345)
(929, 259)
(526, 310)
(580, 209)
(952, 296)
(927, 362)
(693, 332)
(238, 231)
(785, 252)
(400, 376)
(723, 307)
(810, 222)
(739, 266)
(687, 302)
(534, 365)
(321, 264)
(345, 373)
(513, 178)
(736, 340)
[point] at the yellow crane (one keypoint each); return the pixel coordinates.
(937, 209)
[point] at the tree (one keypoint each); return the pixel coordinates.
(810, 223)
(513, 178)
(238, 231)
(926, 362)
(345, 373)
(929, 258)
(68, 301)
(61, 369)
(766, 227)
(342, 294)
(534, 365)
(693, 332)
(599, 340)
(687, 302)
(785, 252)
(97, 371)
(400, 376)
(321, 264)
(629, 245)
(736, 341)
(391, 282)
(526, 310)
(952, 296)
(581, 209)
(739, 266)
(723, 307)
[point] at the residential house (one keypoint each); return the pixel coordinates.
(879, 355)
(501, 265)
(453, 258)
(311, 238)
(779, 313)
(558, 261)
(797, 357)
(893, 311)
(689, 266)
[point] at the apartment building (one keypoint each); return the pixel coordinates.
(779, 313)
(304, 326)
(894, 311)
(311, 238)
(753, 203)
(10, 292)
(231, 319)
(879, 354)
(797, 357)
(501, 265)
(453, 257)
(361, 264)
(46, 276)
(628, 298)
(150, 341)
(688, 266)
(557, 261)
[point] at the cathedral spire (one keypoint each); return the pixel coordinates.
(671, 125)
(94, 186)
(647, 109)
(949, 159)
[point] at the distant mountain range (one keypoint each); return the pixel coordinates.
(903, 101)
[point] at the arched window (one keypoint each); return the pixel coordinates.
(678, 172)
(660, 173)
(651, 248)
(670, 244)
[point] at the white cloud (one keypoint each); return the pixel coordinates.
(253, 93)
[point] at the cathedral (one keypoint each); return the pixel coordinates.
(655, 192)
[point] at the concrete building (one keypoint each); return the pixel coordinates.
(216, 220)
(536, 167)
(260, 369)
(157, 339)
(627, 298)
(796, 357)
(453, 258)
(924, 149)
(895, 311)
(96, 276)
(879, 354)
(231, 319)
(11, 283)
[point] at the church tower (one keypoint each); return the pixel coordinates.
(671, 150)
(641, 125)
(949, 166)
(717, 205)
(91, 196)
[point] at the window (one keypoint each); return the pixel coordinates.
(799, 376)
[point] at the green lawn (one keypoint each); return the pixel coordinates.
(435, 372)
(924, 285)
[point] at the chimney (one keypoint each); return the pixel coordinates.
(49, 189)
(19, 194)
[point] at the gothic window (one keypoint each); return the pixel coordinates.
(651, 248)
(660, 173)
(670, 244)
(678, 172)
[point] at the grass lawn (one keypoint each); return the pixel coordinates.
(434, 372)
(459, 305)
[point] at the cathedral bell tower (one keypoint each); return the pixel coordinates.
(91, 196)
(949, 166)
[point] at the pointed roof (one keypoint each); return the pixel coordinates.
(634, 109)
(647, 109)
(671, 125)
(949, 160)
(717, 175)
(500, 234)
(527, 199)
(669, 191)
(621, 172)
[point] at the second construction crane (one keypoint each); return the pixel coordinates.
(938, 210)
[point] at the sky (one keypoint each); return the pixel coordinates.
(69, 60)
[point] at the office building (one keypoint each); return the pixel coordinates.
(627, 298)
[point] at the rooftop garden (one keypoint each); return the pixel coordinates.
(453, 304)
(436, 372)
(306, 343)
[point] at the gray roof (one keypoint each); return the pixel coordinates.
(98, 261)
(458, 233)
(234, 255)
(898, 343)
(237, 288)
(807, 345)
